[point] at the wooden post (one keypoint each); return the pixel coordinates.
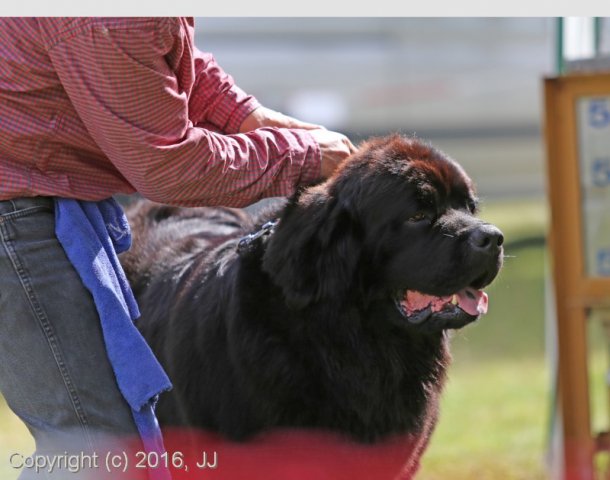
(564, 240)
(578, 289)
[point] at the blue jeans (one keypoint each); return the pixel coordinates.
(54, 372)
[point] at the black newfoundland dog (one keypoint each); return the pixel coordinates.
(331, 312)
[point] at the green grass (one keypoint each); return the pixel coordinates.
(495, 410)
(492, 425)
(14, 438)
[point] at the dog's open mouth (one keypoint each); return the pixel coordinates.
(417, 307)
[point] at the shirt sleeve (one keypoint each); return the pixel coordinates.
(136, 108)
(216, 100)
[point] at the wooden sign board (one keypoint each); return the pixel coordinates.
(577, 117)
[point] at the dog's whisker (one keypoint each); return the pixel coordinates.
(509, 256)
(447, 235)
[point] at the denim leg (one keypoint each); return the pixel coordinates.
(54, 372)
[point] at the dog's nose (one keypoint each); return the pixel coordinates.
(486, 238)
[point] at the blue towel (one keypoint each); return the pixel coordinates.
(92, 233)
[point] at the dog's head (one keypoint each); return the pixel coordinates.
(396, 224)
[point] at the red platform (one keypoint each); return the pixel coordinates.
(290, 455)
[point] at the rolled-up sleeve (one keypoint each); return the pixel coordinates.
(216, 100)
(147, 116)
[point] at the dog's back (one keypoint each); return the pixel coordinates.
(166, 236)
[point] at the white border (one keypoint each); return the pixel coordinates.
(309, 8)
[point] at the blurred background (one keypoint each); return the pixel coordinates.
(472, 86)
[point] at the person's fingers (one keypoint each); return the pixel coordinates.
(334, 148)
(352, 147)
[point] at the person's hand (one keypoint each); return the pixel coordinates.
(334, 147)
(265, 117)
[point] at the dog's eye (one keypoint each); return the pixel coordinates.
(418, 217)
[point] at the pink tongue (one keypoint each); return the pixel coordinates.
(473, 302)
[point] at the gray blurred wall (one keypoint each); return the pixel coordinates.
(470, 85)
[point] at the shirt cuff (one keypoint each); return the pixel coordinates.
(303, 165)
(311, 168)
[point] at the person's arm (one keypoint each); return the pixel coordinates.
(134, 106)
(219, 104)
(216, 99)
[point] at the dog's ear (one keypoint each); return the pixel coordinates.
(315, 251)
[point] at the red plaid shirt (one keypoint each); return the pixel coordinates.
(90, 107)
